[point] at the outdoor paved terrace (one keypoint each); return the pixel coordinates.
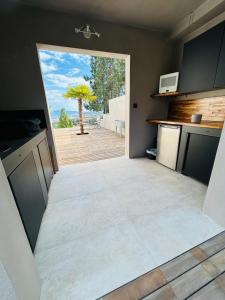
(99, 144)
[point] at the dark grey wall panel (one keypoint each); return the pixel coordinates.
(150, 57)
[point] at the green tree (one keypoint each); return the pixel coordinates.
(107, 81)
(81, 93)
(64, 120)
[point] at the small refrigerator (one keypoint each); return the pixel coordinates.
(168, 145)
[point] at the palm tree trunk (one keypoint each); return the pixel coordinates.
(80, 107)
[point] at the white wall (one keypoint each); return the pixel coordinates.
(117, 111)
(18, 267)
(7, 291)
(214, 205)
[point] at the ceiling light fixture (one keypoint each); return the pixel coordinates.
(87, 32)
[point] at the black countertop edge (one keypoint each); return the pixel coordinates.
(15, 144)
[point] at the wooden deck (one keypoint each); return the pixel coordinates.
(196, 274)
(99, 144)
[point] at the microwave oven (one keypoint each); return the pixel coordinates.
(168, 83)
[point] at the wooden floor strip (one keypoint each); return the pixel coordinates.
(214, 290)
(201, 263)
(191, 281)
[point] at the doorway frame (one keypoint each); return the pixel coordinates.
(64, 49)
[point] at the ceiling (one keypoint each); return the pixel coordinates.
(150, 14)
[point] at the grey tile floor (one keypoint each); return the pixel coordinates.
(110, 221)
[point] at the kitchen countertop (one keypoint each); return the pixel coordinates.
(203, 124)
(15, 144)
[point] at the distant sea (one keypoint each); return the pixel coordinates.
(74, 114)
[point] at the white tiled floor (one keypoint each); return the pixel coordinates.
(110, 221)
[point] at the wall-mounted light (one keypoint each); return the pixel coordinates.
(87, 32)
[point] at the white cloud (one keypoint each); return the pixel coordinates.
(60, 56)
(74, 71)
(51, 94)
(46, 55)
(56, 101)
(80, 57)
(63, 81)
(46, 68)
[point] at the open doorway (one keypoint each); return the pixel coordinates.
(87, 95)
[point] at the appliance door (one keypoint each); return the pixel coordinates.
(168, 83)
(167, 145)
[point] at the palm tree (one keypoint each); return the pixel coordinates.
(81, 93)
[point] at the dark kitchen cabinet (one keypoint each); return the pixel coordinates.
(27, 190)
(200, 61)
(40, 173)
(200, 156)
(46, 161)
(220, 74)
(197, 152)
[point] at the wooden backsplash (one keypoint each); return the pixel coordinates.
(212, 109)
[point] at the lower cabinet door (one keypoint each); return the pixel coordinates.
(200, 156)
(29, 197)
(46, 161)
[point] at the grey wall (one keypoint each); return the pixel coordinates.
(16, 259)
(20, 79)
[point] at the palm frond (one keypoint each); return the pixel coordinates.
(82, 91)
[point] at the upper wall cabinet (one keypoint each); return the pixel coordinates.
(200, 61)
(220, 74)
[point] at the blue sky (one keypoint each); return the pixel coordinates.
(60, 70)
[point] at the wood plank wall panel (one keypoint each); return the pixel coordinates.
(212, 109)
